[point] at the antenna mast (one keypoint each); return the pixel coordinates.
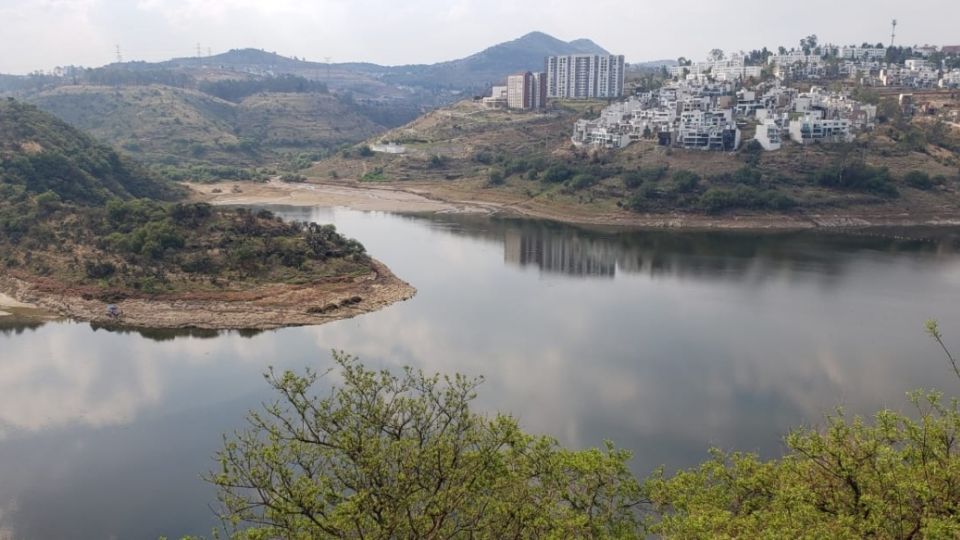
(119, 56)
(893, 32)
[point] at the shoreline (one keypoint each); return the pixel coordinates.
(427, 197)
(264, 308)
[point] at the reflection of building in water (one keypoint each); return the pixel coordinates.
(556, 252)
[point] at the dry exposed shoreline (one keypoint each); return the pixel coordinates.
(263, 308)
(430, 197)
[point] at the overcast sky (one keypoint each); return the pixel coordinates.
(41, 34)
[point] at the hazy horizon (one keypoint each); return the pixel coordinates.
(50, 33)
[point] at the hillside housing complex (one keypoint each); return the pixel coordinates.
(707, 115)
(709, 103)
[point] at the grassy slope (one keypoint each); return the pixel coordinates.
(157, 124)
(459, 132)
(165, 125)
(296, 121)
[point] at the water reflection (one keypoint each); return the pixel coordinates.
(170, 334)
(15, 326)
(665, 342)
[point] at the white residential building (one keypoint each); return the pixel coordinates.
(809, 129)
(584, 76)
(733, 69)
(854, 52)
(951, 79)
(768, 135)
(497, 98)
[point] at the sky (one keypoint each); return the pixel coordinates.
(42, 34)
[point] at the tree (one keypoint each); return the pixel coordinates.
(897, 477)
(387, 456)
(716, 55)
(809, 43)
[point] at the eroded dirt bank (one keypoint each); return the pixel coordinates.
(266, 307)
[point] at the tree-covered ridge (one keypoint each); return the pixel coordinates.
(40, 153)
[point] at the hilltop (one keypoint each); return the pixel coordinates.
(493, 64)
(82, 226)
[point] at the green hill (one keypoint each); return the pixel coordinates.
(41, 153)
(164, 125)
(79, 218)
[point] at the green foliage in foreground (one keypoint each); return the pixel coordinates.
(897, 477)
(386, 456)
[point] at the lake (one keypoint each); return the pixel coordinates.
(667, 343)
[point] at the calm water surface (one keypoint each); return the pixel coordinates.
(667, 343)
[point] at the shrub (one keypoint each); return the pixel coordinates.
(919, 180)
(858, 176)
(716, 200)
(483, 157)
(437, 161)
(634, 179)
(495, 177)
(583, 181)
(99, 270)
(557, 173)
(365, 151)
(684, 182)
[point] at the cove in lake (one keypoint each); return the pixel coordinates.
(665, 342)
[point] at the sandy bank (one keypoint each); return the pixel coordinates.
(266, 307)
(359, 197)
(7, 301)
(415, 197)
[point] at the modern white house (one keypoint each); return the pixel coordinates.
(497, 98)
(810, 129)
(768, 135)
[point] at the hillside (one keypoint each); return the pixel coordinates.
(294, 121)
(175, 126)
(40, 153)
(157, 124)
(82, 226)
(493, 64)
(526, 163)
